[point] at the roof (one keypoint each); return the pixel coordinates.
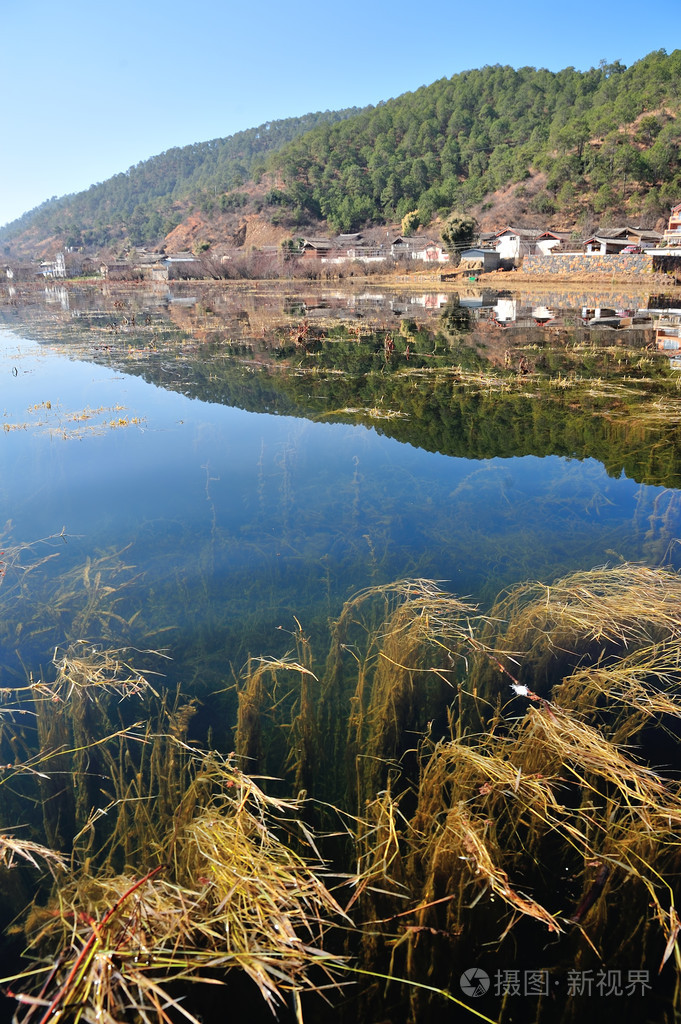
(617, 239)
(521, 232)
(414, 242)
(318, 243)
(645, 232)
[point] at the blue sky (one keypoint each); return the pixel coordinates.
(89, 89)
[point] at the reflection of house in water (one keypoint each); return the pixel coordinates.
(429, 301)
(57, 296)
(476, 299)
(505, 311)
(668, 337)
(601, 314)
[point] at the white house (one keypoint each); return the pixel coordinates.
(548, 240)
(505, 311)
(416, 248)
(54, 268)
(513, 243)
(431, 252)
(603, 245)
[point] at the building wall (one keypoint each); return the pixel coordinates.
(580, 263)
(508, 247)
(545, 245)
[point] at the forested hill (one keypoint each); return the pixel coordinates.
(604, 142)
(563, 149)
(145, 202)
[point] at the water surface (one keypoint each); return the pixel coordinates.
(125, 447)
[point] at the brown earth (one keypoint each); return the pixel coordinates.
(193, 229)
(260, 233)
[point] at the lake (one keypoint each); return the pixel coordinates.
(202, 473)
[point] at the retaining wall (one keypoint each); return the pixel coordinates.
(579, 263)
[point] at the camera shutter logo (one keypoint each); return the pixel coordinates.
(474, 982)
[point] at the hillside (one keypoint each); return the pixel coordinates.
(143, 204)
(574, 146)
(568, 149)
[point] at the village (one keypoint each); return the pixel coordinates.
(623, 252)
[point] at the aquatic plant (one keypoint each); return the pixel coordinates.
(500, 780)
(181, 868)
(229, 894)
(508, 776)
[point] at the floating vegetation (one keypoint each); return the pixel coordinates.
(44, 608)
(58, 423)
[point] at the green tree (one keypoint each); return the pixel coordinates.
(458, 232)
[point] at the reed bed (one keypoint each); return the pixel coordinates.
(179, 867)
(545, 801)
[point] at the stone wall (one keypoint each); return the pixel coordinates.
(579, 264)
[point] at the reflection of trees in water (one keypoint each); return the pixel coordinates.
(662, 544)
(456, 387)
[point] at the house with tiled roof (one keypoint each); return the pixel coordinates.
(547, 241)
(643, 236)
(611, 240)
(514, 243)
(606, 245)
(316, 248)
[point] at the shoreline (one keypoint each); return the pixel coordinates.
(503, 281)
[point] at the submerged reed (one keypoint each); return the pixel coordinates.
(508, 791)
(229, 893)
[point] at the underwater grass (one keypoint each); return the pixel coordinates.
(500, 781)
(223, 887)
(230, 895)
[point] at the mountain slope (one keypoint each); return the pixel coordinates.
(148, 200)
(607, 141)
(567, 149)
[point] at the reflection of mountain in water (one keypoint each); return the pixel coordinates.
(444, 417)
(447, 379)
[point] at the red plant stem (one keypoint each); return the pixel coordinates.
(592, 895)
(91, 941)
